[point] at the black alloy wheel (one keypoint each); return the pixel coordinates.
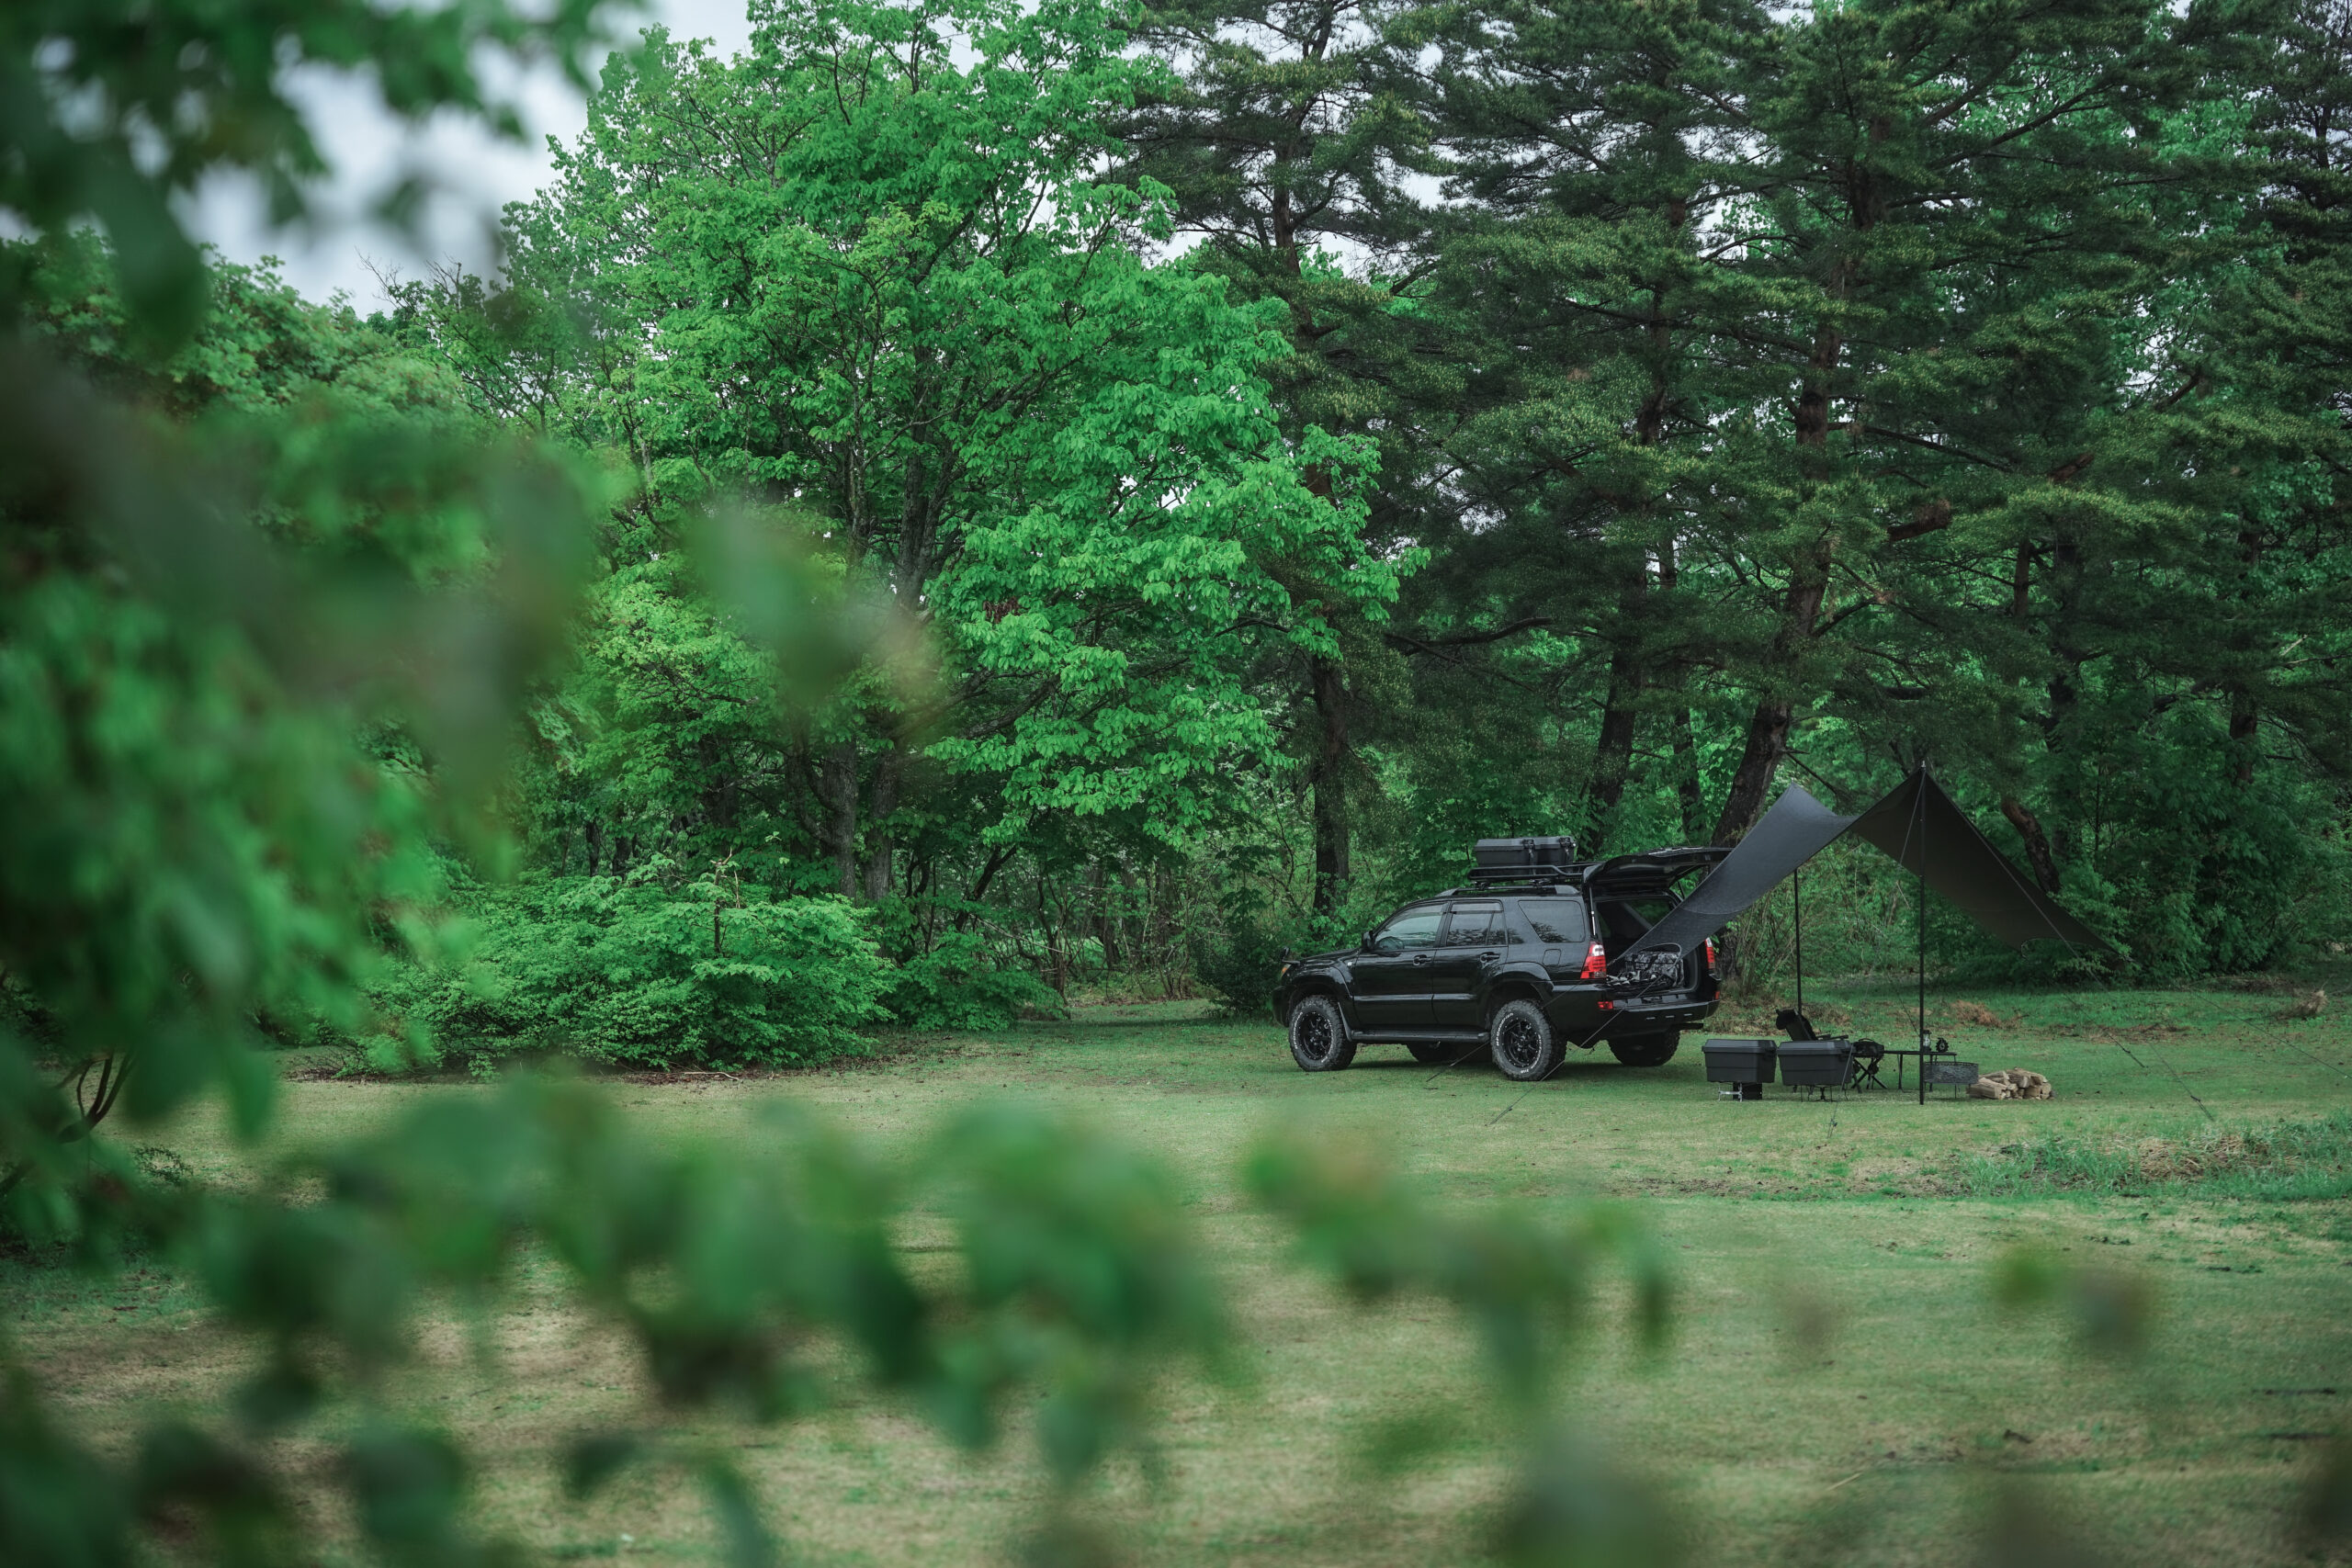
(1319, 1037)
(1520, 1038)
(1440, 1053)
(1645, 1049)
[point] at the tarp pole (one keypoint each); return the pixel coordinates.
(1919, 818)
(1796, 903)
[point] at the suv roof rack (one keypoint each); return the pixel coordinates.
(1645, 870)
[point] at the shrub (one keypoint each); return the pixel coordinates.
(636, 975)
(956, 985)
(1238, 967)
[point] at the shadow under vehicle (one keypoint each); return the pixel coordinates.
(1517, 966)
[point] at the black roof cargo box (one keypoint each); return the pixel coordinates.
(1503, 859)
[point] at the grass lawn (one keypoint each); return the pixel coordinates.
(1840, 1387)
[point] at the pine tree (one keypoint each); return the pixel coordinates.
(1279, 148)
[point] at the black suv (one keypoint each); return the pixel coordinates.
(1518, 964)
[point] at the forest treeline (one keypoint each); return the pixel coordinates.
(1211, 462)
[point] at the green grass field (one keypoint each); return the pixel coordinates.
(1840, 1386)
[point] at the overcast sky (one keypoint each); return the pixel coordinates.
(477, 172)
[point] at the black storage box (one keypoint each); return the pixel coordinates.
(1494, 858)
(1816, 1064)
(1738, 1061)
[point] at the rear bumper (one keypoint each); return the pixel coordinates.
(1581, 1015)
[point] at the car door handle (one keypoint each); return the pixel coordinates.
(1488, 957)
(1421, 958)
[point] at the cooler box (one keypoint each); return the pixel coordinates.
(1816, 1064)
(1738, 1061)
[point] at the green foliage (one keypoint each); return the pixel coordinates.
(956, 982)
(633, 974)
(1238, 968)
(731, 1269)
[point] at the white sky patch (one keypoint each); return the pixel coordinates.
(473, 172)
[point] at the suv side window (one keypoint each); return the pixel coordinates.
(1476, 925)
(1412, 929)
(1558, 921)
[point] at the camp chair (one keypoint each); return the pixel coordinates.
(1869, 1055)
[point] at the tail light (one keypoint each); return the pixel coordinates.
(1596, 963)
(1712, 973)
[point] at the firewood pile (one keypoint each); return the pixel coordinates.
(2010, 1083)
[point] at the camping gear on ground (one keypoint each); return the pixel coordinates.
(1916, 824)
(1868, 1056)
(1864, 1059)
(1815, 1064)
(1747, 1064)
(1938, 1071)
(1935, 1054)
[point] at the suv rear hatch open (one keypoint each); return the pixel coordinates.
(1629, 894)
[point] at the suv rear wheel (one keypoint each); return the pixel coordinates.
(1319, 1037)
(1520, 1038)
(1645, 1049)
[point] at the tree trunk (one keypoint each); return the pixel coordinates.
(879, 846)
(1106, 924)
(2245, 724)
(1613, 753)
(1688, 789)
(1768, 730)
(1131, 919)
(2066, 585)
(2037, 843)
(1327, 680)
(837, 786)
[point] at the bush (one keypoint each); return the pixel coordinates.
(1238, 968)
(635, 975)
(957, 986)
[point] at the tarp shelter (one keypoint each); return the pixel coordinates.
(1918, 824)
(1796, 828)
(1934, 839)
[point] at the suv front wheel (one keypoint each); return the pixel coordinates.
(1520, 1038)
(1645, 1049)
(1319, 1037)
